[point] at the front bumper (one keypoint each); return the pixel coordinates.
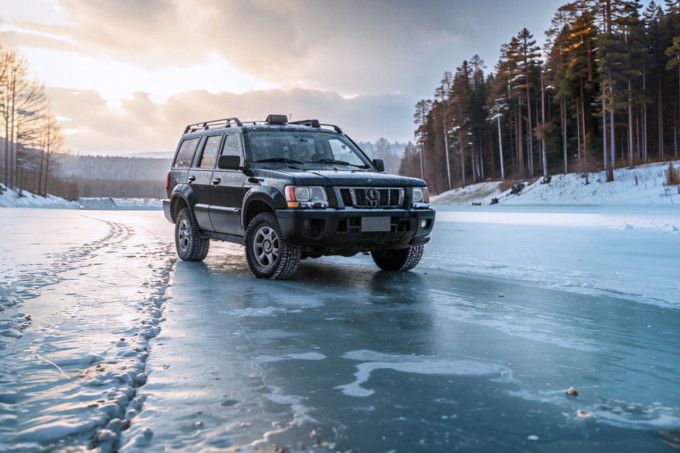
(335, 231)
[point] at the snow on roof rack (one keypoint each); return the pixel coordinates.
(308, 123)
(315, 123)
(214, 124)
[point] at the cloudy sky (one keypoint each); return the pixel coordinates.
(125, 76)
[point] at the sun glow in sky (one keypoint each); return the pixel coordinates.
(115, 80)
(113, 65)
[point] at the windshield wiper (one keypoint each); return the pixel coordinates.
(338, 162)
(279, 159)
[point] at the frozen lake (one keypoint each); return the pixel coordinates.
(106, 342)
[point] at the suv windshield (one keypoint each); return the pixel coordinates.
(317, 149)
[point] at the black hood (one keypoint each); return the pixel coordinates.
(349, 178)
(339, 178)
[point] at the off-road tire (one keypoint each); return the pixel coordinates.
(191, 244)
(400, 259)
(269, 255)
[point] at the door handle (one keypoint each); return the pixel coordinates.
(216, 181)
(192, 178)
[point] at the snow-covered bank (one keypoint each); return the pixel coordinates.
(120, 203)
(11, 199)
(631, 186)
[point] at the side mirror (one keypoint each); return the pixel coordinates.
(229, 162)
(379, 165)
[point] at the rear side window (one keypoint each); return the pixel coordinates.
(186, 152)
(212, 146)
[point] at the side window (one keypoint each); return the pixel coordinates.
(212, 146)
(343, 152)
(232, 146)
(186, 152)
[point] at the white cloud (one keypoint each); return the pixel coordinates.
(142, 125)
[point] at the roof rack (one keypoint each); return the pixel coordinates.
(273, 120)
(335, 128)
(308, 123)
(214, 124)
(315, 123)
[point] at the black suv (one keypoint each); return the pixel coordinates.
(289, 191)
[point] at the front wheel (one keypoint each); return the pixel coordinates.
(268, 254)
(400, 259)
(191, 244)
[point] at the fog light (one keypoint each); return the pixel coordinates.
(423, 223)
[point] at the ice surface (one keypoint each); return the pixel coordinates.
(625, 252)
(111, 346)
(85, 292)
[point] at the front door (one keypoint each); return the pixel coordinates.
(226, 194)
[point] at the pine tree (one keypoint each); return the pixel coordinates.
(420, 118)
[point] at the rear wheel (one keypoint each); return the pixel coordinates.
(400, 259)
(268, 254)
(191, 244)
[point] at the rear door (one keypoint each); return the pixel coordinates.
(200, 175)
(226, 193)
(183, 160)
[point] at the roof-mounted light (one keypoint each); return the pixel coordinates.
(277, 119)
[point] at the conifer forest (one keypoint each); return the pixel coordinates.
(602, 93)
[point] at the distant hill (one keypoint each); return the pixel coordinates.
(113, 168)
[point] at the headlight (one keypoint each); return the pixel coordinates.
(306, 197)
(421, 195)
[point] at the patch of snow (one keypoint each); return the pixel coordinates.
(104, 203)
(645, 184)
(412, 365)
(11, 199)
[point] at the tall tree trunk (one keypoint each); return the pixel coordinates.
(530, 138)
(544, 155)
(500, 147)
(7, 154)
(47, 172)
(585, 133)
(40, 172)
(661, 131)
(446, 149)
(631, 162)
(578, 133)
(644, 113)
(563, 112)
(461, 147)
(607, 167)
(481, 156)
(638, 137)
(520, 144)
(13, 145)
(612, 129)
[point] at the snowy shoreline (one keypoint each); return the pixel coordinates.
(642, 185)
(11, 199)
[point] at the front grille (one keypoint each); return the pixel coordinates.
(370, 197)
